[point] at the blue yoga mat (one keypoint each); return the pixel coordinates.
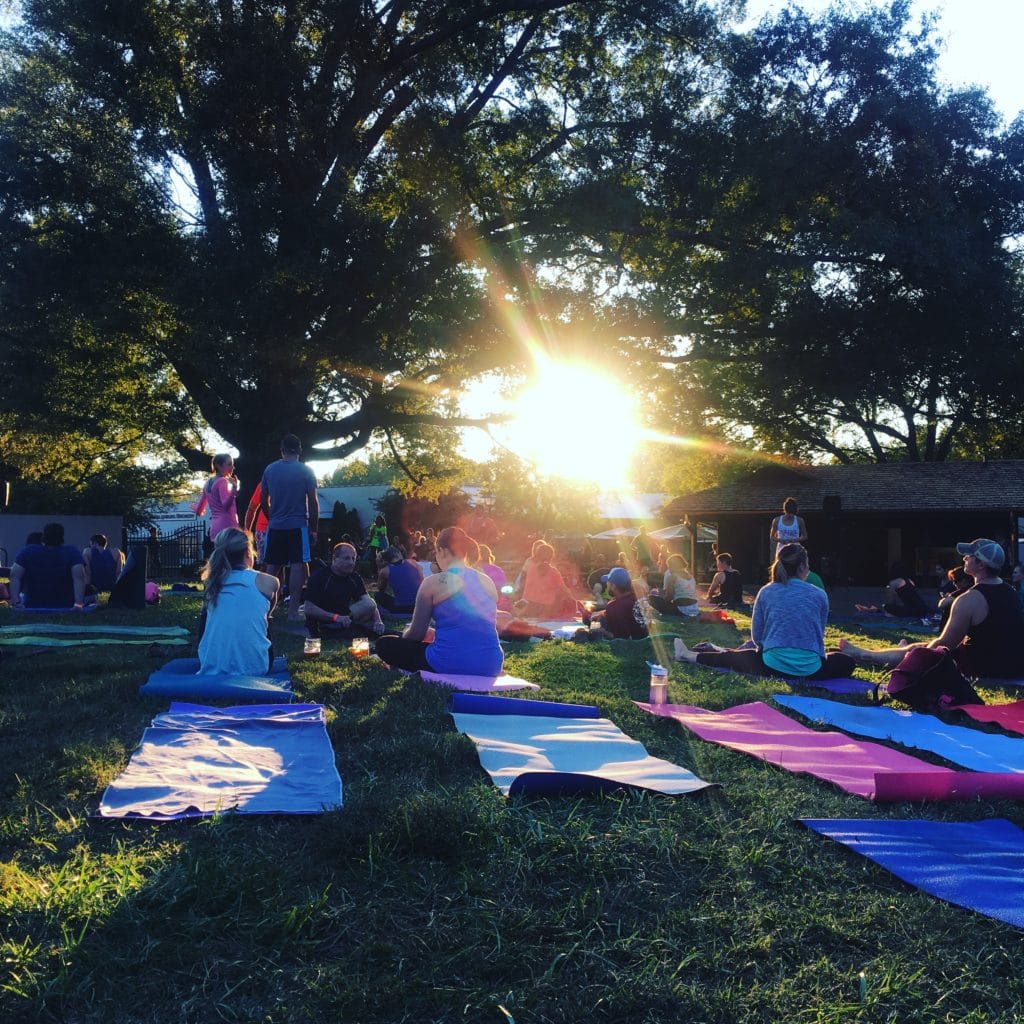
(481, 704)
(178, 678)
(971, 748)
(196, 761)
(978, 864)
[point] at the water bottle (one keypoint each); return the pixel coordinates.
(659, 684)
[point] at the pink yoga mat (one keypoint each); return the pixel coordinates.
(1009, 716)
(856, 766)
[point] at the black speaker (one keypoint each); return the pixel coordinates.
(832, 504)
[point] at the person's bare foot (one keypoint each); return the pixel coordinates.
(681, 652)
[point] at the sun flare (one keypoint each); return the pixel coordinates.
(575, 423)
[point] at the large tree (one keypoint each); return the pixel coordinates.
(838, 246)
(312, 215)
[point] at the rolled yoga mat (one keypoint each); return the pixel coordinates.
(971, 748)
(180, 678)
(530, 754)
(859, 767)
(978, 865)
(196, 761)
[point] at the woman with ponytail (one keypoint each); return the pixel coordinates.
(463, 605)
(220, 493)
(237, 604)
(787, 629)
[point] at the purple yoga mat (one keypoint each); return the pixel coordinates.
(857, 766)
(478, 684)
(978, 864)
(846, 685)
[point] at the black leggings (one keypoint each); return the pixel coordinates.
(388, 603)
(835, 666)
(398, 652)
(664, 606)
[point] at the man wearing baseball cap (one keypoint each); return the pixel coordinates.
(623, 619)
(984, 625)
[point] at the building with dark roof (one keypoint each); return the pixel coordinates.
(863, 518)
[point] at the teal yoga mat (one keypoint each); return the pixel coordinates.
(55, 629)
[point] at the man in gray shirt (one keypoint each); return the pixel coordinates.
(289, 501)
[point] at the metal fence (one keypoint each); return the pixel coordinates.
(178, 552)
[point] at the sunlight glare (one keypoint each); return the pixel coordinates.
(575, 423)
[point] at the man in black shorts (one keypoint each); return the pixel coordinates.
(289, 500)
(336, 599)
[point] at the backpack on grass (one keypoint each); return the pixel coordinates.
(928, 679)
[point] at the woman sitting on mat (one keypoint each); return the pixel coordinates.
(679, 590)
(235, 625)
(545, 595)
(787, 629)
(398, 581)
(496, 574)
(463, 604)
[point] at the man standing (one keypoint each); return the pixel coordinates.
(623, 618)
(336, 598)
(289, 501)
(49, 575)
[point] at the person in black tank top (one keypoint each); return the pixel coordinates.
(984, 622)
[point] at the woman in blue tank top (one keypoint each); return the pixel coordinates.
(463, 604)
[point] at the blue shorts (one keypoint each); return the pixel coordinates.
(286, 547)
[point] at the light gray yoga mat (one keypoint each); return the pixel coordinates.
(528, 753)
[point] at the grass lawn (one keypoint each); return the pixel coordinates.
(431, 898)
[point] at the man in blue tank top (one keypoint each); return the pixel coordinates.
(398, 581)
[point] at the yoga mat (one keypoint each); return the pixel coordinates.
(58, 611)
(1009, 716)
(529, 754)
(847, 685)
(888, 625)
(478, 684)
(86, 641)
(978, 865)
(470, 704)
(196, 761)
(39, 628)
(971, 748)
(180, 678)
(853, 765)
